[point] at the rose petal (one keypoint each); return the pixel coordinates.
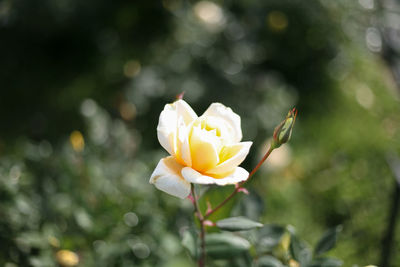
(230, 157)
(204, 147)
(185, 111)
(168, 123)
(195, 177)
(167, 177)
(182, 149)
(232, 119)
(166, 129)
(222, 128)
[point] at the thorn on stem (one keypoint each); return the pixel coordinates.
(190, 197)
(209, 223)
(244, 190)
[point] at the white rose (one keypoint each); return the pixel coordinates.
(203, 150)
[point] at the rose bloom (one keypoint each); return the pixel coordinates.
(203, 150)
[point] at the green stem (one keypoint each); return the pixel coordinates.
(202, 259)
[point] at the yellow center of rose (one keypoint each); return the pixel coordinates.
(208, 137)
(210, 125)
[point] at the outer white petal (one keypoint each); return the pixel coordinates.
(168, 123)
(167, 177)
(166, 129)
(185, 111)
(195, 177)
(232, 119)
(182, 143)
(236, 154)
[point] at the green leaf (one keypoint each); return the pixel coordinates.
(237, 224)
(251, 206)
(300, 251)
(269, 237)
(215, 195)
(189, 241)
(328, 240)
(326, 262)
(268, 261)
(244, 261)
(225, 245)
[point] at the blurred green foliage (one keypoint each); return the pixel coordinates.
(82, 86)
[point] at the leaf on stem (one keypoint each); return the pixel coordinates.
(326, 262)
(269, 237)
(328, 240)
(268, 261)
(216, 195)
(300, 251)
(189, 241)
(225, 245)
(237, 224)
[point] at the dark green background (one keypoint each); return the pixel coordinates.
(62, 70)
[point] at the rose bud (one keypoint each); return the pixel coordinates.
(283, 131)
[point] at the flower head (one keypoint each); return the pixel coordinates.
(203, 150)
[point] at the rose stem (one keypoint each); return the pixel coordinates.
(240, 184)
(202, 258)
